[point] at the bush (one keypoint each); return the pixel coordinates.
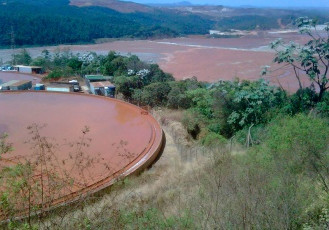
(213, 139)
(56, 74)
(302, 101)
(155, 94)
(302, 142)
(294, 160)
(177, 99)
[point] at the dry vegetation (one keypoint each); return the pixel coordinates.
(163, 196)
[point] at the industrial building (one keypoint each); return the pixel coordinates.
(103, 88)
(29, 69)
(60, 88)
(96, 78)
(100, 85)
(16, 85)
(74, 83)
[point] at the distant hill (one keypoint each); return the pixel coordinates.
(249, 17)
(51, 22)
(120, 6)
(175, 4)
(48, 22)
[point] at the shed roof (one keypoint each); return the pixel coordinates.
(97, 77)
(100, 84)
(9, 83)
(21, 82)
(60, 86)
(16, 83)
(25, 66)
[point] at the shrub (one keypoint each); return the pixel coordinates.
(155, 94)
(56, 74)
(213, 139)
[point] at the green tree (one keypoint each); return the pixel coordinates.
(75, 64)
(22, 58)
(156, 94)
(157, 75)
(311, 58)
(240, 104)
(127, 85)
(46, 54)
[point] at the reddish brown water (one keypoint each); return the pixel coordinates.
(123, 136)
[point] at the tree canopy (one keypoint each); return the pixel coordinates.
(311, 59)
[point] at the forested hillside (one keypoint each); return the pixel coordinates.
(51, 22)
(47, 22)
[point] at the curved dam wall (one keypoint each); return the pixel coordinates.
(120, 138)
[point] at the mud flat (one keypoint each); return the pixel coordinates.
(208, 59)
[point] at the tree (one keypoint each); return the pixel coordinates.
(127, 85)
(75, 64)
(311, 58)
(240, 104)
(22, 58)
(156, 94)
(46, 54)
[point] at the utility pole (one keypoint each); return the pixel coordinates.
(12, 43)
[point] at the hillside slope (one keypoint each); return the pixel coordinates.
(48, 22)
(120, 6)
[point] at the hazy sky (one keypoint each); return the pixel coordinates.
(273, 3)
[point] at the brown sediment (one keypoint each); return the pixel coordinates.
(214, 64)
(124, 138)
(206, 58)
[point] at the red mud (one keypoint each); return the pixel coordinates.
(124, 138)
(206, 58)
(216, 64)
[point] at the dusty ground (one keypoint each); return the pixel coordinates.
(206, 58)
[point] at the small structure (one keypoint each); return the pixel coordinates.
(17, 85)
(229, 33)
(60, 88)
(39, 87)
(96, 78)
(28, 69)
(74, 83)
(103, 88)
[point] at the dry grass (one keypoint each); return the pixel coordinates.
(217, 189)
(166, 186)
(182, 181)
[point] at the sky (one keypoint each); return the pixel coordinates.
(260, 3)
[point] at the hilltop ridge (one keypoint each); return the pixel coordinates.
(120, 6)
